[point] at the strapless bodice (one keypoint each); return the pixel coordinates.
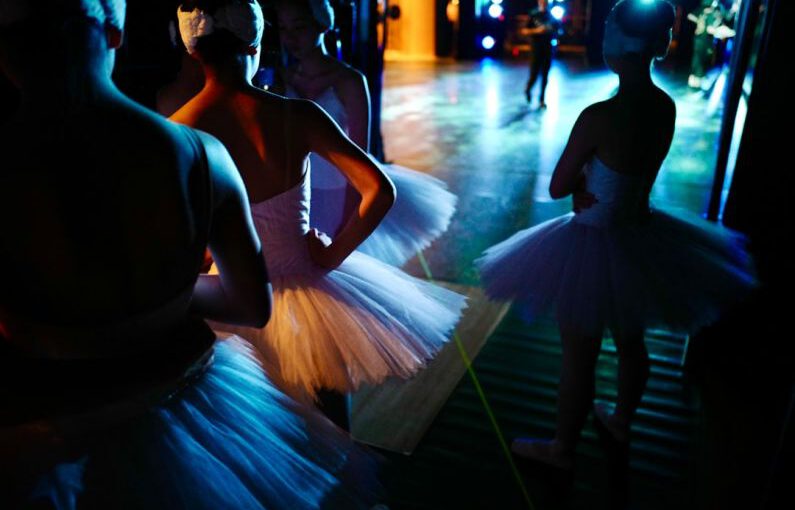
(282, 223)
(620, 197)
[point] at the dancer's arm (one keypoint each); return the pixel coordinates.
(240, 293)
(356, 98)
(377, 193)
(578, 151)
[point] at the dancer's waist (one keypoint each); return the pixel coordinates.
(54, 434)
(611, 215)
(287, 254)
(37, 388)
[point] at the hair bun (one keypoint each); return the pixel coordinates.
(651, 20)
(645, 18)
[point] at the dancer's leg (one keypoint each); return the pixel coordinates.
(547, 63)
(575, 395)
(633, 373)
(535, 69)
(576, 387)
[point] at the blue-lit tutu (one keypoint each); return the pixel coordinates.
(229, 440)
(421, 213)
(610, 267)
(337, 329)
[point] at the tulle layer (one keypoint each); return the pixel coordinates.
(421, 213)
(362, 322)
(229, 440)
(673, 271)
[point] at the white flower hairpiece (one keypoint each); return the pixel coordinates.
(243, 19)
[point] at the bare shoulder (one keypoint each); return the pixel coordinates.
(597, 110)
(299, 117)
(594, 116)
(213, 147)
(304, 112)
(223, 173)
(350, 79)
(136, 127)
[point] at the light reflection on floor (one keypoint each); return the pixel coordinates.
(469, 124)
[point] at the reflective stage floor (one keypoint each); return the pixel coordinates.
(469, 124)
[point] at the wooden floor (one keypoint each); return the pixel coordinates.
(396, 414)
(469, 125)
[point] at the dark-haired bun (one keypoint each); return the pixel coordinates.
(651, 20)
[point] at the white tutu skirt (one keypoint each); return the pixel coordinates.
(673, 272)
(421, 213)
(228, 440)
(363, 322)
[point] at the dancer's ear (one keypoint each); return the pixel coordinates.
(114, 36)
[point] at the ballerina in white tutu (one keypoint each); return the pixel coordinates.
(341, 317)
(114, 392)
(423, 206)
(617, 263)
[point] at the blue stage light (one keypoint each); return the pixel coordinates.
(558, 12)
(487, 42)
(495, 10)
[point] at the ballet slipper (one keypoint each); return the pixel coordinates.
(545, 451)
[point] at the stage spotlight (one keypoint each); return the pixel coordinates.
(495, 10)
(558, 12)
(487, 42)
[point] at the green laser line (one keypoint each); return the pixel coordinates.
(482, 394)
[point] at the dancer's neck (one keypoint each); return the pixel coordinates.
(190, 69)
(79, 83)
(635, 79)
(228, 79)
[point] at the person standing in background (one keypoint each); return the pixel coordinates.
(542, 28)
(708, 19)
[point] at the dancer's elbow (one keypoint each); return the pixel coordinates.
(259, 309)
(557, 192)
(385, 193)
(260, 318)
